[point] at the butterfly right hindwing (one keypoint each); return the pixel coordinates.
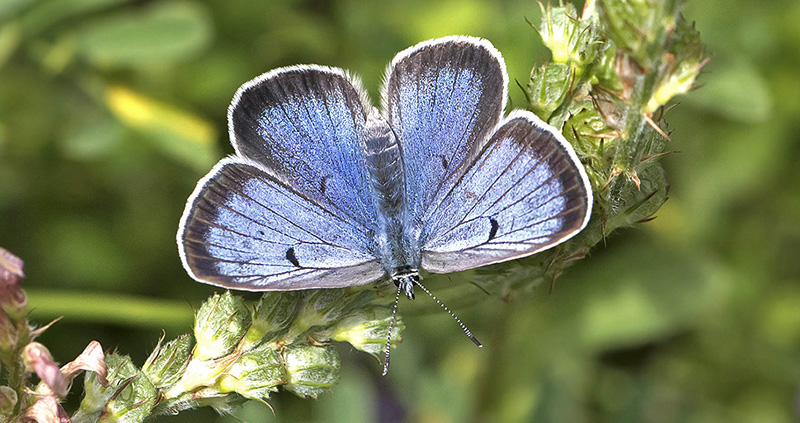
(526, 192)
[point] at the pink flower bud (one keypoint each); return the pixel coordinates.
(12, 297)
(37, 357)
(92, 359)
(10, 267)
(46, 410)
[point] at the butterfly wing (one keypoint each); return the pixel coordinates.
(306, 126)
(293, 209)
(442, 98)
(526, 192)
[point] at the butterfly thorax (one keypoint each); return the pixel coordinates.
(395, 238)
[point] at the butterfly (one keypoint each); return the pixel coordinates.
(327, 191)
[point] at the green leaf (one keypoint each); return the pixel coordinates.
(8, 7)
(50, 12)
(109, 308)
(175, 132)
(92, 139)
(9, 40)
(738, 91)
(659, 295)
(164, 33)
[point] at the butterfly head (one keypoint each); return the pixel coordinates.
(405, 278)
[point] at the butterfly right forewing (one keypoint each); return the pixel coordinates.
(442, 98)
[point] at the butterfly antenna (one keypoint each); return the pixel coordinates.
(463, 327)
(389, 336)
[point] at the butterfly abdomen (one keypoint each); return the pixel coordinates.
(385, 163)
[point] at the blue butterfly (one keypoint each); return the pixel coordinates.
(327, 191)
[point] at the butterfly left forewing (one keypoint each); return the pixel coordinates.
(526, 192)
(294, 208)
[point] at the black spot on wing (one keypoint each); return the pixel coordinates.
(323, 185)
(291, 257)
(493, 230)
(444, 162)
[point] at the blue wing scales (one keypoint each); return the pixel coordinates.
(245, 229)
(306, 126)
(294, 208)
(442, 98)
(526, 192)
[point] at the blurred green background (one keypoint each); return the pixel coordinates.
(110, 110)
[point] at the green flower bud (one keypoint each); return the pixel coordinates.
(129, 397)
(167, 362)
(254, 375)
(200, 397)
(95, 397)
(677, 82)
(219, 326)
(605, 71)
(636, 25)
(548, 88)
(367, 330)
(226, 404)
(134, 396)
(8, 400)
(569, 38)
(311, 370)
(272, 315)
(637, 196)
(320, 307)
(8, 335)
(594, 142)
(200, 374)
(680, 66)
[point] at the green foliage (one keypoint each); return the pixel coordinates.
(162, 34)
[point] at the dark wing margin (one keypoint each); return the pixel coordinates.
(526, 192)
